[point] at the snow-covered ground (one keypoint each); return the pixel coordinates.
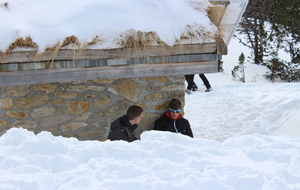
(247, 135)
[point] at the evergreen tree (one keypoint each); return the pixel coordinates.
(268, 26)
(238, 72)
(286, 22)
(255, 34)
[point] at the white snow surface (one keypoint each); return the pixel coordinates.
(50, 22)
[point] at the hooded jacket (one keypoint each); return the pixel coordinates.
(179, 125)
(121, 129)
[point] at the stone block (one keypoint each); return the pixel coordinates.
(172, 87)
(175, 79)
(178, 95)
(27, 124)
(2, 123)
(118, 109)
(46, 88)
(6, 103)
(91, 95)
(151, 86)
(73, 126)
(42, 112)
(162, 106)
(16, 114)
(101, 124)
(103, 81)
(128, 89)
(84, 116)
(61, 109)
(77, 106)
(58, 101)
(79, 88)
(96, 88)
(65, 95)
(31, 101)
(55, 120)
(154, 97)
(18, 90)
(100, 102)
(161, 79)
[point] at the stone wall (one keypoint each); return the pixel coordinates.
(85, 109)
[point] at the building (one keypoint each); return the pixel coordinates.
(76, 89)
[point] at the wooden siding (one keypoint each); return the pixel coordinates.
(18, 56)
(105, 72)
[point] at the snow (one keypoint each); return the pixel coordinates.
(50, 22)
(247, 135)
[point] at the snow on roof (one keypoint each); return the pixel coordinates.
(103, 24)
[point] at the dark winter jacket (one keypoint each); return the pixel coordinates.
(121, 129)
(164, 123)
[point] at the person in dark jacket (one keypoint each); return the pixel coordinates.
(123, 127)
(173, 121)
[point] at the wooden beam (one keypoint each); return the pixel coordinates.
(7, 67)
(17, 56)
(105, 72)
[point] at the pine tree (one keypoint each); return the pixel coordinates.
(286, 22)
(239, 69)
(256, 34)
(268, 26)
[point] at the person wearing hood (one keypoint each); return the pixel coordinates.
(173, 121)
(123, 127)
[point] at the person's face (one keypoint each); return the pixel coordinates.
(174, 113)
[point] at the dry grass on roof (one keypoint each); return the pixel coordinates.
(137, 42)
(20, 42)
(70, 40)
(137, 39)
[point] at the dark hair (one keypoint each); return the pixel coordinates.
(175, 104)
(133, 112)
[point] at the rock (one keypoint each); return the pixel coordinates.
(5, 103)
(17, 90)
(42, 112)
(77, 106)
(46, 88)
(31, 101)
(16, 114)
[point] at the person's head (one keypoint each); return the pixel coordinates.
(174, 108)
(134, 114)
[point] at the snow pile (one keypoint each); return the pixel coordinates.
(161, 160)
(102, 22)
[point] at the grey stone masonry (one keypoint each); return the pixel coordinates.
(85, 109)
